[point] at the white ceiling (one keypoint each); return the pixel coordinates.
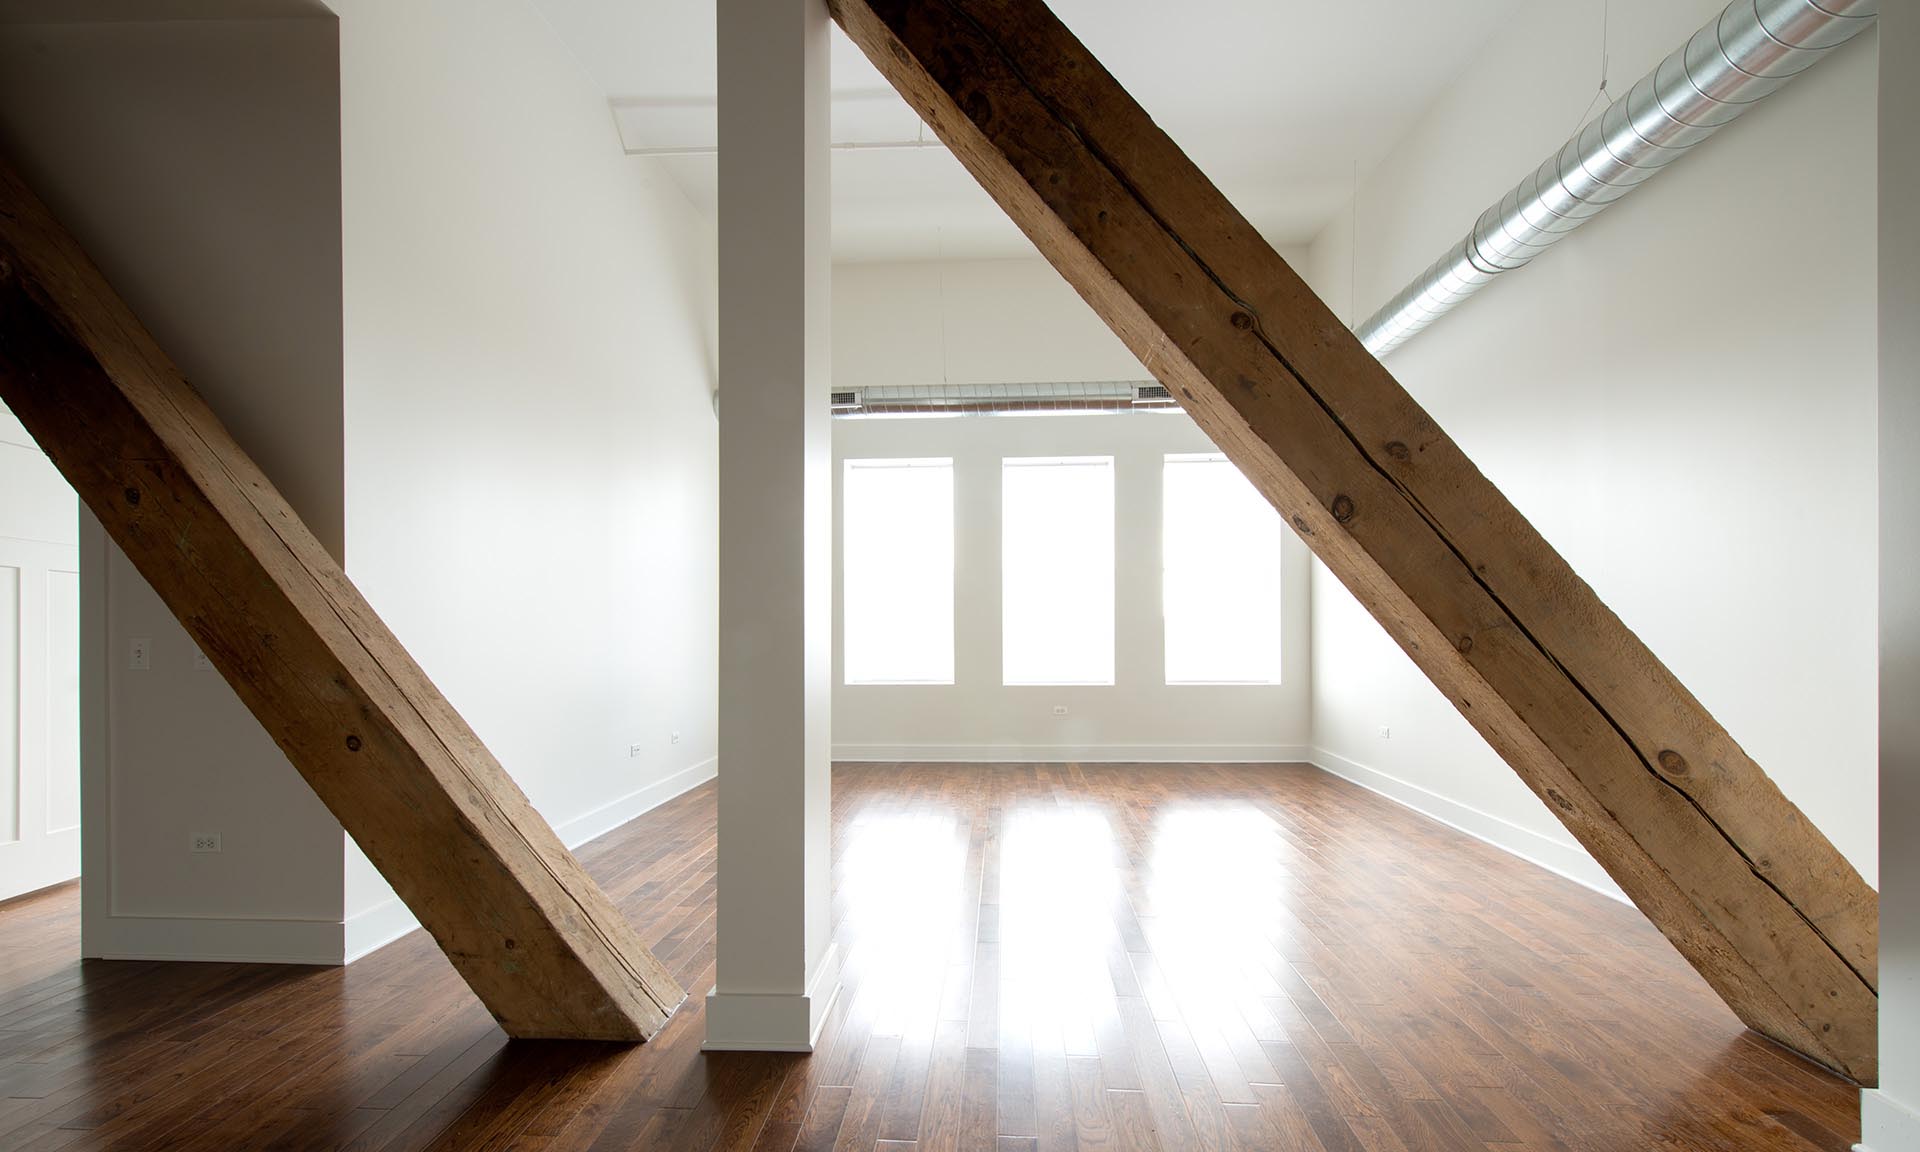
(1277, 100)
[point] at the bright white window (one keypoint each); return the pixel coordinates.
(1220, 582)
(1056, 570)
(897, 571)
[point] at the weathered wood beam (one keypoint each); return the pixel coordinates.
(1743, 884)
(537, 940)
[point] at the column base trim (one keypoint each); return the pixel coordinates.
(1886, 1124)
(774, 1022)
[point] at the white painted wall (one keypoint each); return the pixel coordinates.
(1018, 321)
(1890, 1117)
(35, 502)
(197, 160)
(530, 443)
(521, 328)
(967, 322)
(1680, 396)
(39, 668)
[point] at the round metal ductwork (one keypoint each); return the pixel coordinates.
(1751, 49)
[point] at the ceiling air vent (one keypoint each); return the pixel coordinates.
(1151, 396)
(848, 401)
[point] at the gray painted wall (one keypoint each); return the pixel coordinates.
(198, 162)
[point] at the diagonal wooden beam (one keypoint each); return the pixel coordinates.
(1744, 885)
(537, 940)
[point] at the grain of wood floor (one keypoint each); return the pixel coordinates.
(1036, 958)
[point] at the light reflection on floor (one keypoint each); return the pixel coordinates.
(896, 937)
(1217, 903)
(1063, 925)
(1059, 881)
(1261, 957)
(1036, 958)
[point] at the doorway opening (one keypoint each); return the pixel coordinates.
(39, 669)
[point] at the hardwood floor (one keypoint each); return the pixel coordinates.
(1121, 957)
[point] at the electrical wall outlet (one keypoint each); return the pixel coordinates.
(634, 751)
(1059, 709)
(674, 739)
(140, 653)
(1386, 733)
(203, 842)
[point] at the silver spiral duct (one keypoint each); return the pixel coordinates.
(1741, 55)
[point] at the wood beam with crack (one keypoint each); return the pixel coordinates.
(1755, 897)
(532, 934)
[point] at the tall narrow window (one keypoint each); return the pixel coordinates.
(1220, 583)
(897, 571)
(1056, 570)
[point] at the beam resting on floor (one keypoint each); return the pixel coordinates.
(1737, 878)
(531, 933)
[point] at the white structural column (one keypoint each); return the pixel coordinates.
(777, 970)
(1890, 1114)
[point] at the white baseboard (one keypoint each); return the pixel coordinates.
(386, 922)
(760, 1022)
(37, 866)
(1556, 856)
(372, 929)
(1886, 1124)
(604, 819)
(1071, 753)
(236, 940)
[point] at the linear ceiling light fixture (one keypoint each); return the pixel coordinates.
(980, 399)
(837, 146)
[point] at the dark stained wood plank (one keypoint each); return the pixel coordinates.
(866, 1104)
(821, 1129)
(906, 1098)
(943, 1125)
(1457, 998)
(1161, 1089)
